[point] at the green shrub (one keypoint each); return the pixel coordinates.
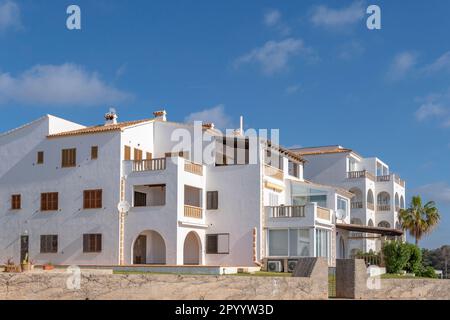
(428, 272)
(414, 264)
(396, 256)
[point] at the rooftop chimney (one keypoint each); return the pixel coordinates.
(160, 115)
(111, 117)
(208, 125)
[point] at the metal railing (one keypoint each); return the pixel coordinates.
(287, 211)
(149, 165)
(370, 206)
(384, 207)
(356, 205)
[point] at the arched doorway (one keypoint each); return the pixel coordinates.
(370, 201)
(192, 249)
(342, 254)
(149, 248)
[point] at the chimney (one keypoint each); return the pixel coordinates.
(160, 115)
(208, 125)
(111, 117)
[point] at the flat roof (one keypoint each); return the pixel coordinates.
(368, 229)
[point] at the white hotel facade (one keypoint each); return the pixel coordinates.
(61, 183)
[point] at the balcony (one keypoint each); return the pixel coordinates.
(323, 213)
(391, 177)
(370, 206)
(273, 172)
(287, 212)
(193, 212)
(149, 165)
(357, 205)
(193, 168)
(360, 174)
(384, 207)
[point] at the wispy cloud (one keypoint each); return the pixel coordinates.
(274, 56)
(402, 64)
(273, 19)
(435, 107)
(58, 85)
(10, 17)
(350, 50)
(331, 18)
(215, 115)
(293, 88)
(439, 192)
(440, 64)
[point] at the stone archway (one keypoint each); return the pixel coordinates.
(149, 248)
(192, 249)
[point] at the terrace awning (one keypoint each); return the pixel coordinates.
(367, 229)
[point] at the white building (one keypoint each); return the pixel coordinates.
(241, 203)
(378, 193)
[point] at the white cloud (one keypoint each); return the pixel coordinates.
(215, 115)
(274, 56)
(324, 16)
(403, 63)
(441, 64)
(272, 17)
(293, 88)
(9, 16)
(438, 192)
(350, 50)
(435, 107)
(58, 85)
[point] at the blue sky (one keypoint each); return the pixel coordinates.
(310, 68)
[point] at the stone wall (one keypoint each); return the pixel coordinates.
(353, 281)
(40, 286)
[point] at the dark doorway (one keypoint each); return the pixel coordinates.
(140, 250)
(24, 244)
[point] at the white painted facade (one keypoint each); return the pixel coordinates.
(262, 212)
(378, 193)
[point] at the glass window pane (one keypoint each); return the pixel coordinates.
(278, 242)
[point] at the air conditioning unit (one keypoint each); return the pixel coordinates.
(274, 266)
(291, 265)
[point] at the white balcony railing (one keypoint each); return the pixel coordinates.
(149, 165)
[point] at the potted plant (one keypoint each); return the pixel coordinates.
(48, 266)
(10, 266)
(26, 264)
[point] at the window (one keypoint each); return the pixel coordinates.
(92, 199)
(342, 204)
(294, 169)
(40, 157)
(273, 200)
(137, 154)
(322, 243)
(182, 154)
(140, 199)
(218, 243)
(49, 201)
(274, 159)
(49, 243)
(232, 151)
(352, 164)
(92, 243)
(15, 202)
(149, 195)
(278, 243)
(193, 196)
(127, 153)
(212, 200)
(148, 156)
(69, 158)
(94, 152)
(299, 243)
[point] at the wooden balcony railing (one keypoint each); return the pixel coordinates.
(193, 212)
(323, 213)
(356, 205)
(370, 206)
(384, 207)
(193, 168)
(273, 172)
(149, 165)
(287, 212)
(360, 174)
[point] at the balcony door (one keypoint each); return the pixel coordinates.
(24, 248)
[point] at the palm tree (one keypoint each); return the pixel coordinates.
(419, 220)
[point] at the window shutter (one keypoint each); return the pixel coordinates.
(127, 153)
(223, 243)
(211, 243)
(85, 243)
(94, 152)
(149, 156)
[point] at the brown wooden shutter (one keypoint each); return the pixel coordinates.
(148, 156)
(40, 157)
(94, 152)
(137, 154)
(127, 153)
